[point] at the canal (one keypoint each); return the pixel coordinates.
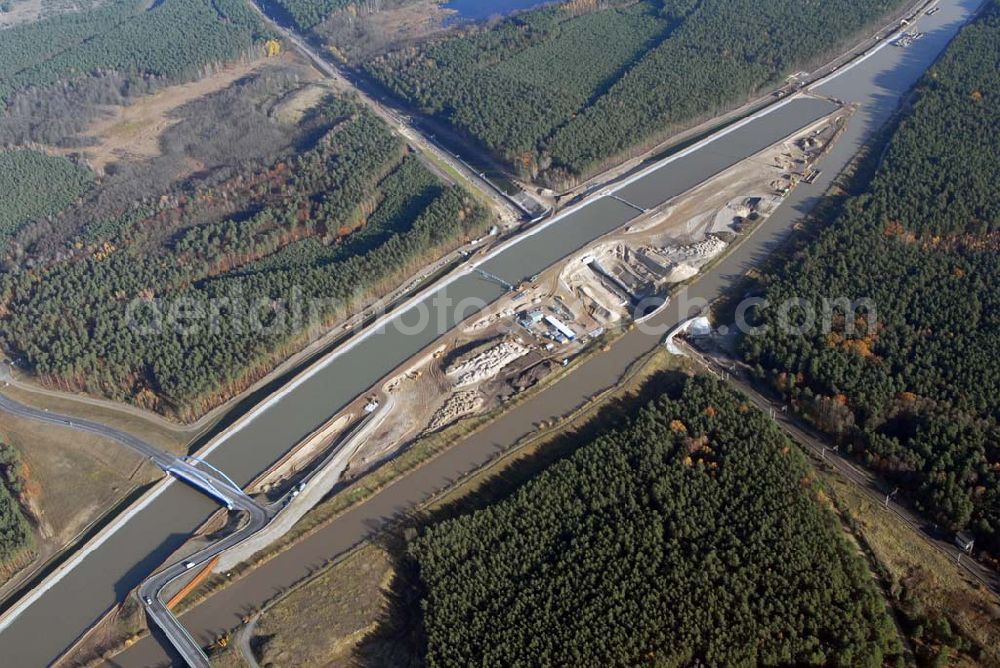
(72, 604)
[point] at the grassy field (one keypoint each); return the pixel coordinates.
(134, 131)
(329, 615)
(71, 478)
(228, 658)
(423, 450)
(360, 580)
(154, 429)
(927, 586)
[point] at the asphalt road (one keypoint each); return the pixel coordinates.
(60, 614)
(876, 83)
(151, 590)
(205, 482)
(278, 516)
(208, 482)
(117, 565)
(155, 455)
(243, 642)
(274, 16)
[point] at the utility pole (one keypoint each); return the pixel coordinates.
(889, 496)
(822, 454)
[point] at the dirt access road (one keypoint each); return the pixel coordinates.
(877, 83)
(508, 209)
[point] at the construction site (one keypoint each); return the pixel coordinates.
(574, 306)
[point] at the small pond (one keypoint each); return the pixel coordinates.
(478, 10)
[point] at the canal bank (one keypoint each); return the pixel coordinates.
(52, 623)
(877, 84)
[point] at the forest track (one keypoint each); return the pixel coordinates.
(867, 483)
(509, 210)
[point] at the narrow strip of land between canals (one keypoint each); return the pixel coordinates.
(49, 626)
(877, 83)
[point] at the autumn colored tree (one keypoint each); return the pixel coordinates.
(632, 551)
(918, 398)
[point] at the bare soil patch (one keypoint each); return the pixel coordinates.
(356, 35)
(21, 11)
(293, 106)
(133, 132)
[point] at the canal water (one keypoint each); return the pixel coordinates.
(46, 628)
(876, 84)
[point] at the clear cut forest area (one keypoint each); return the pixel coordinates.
(172, 40)
(63, 66)
(64, 70)
(324, 229)
(262, 193)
